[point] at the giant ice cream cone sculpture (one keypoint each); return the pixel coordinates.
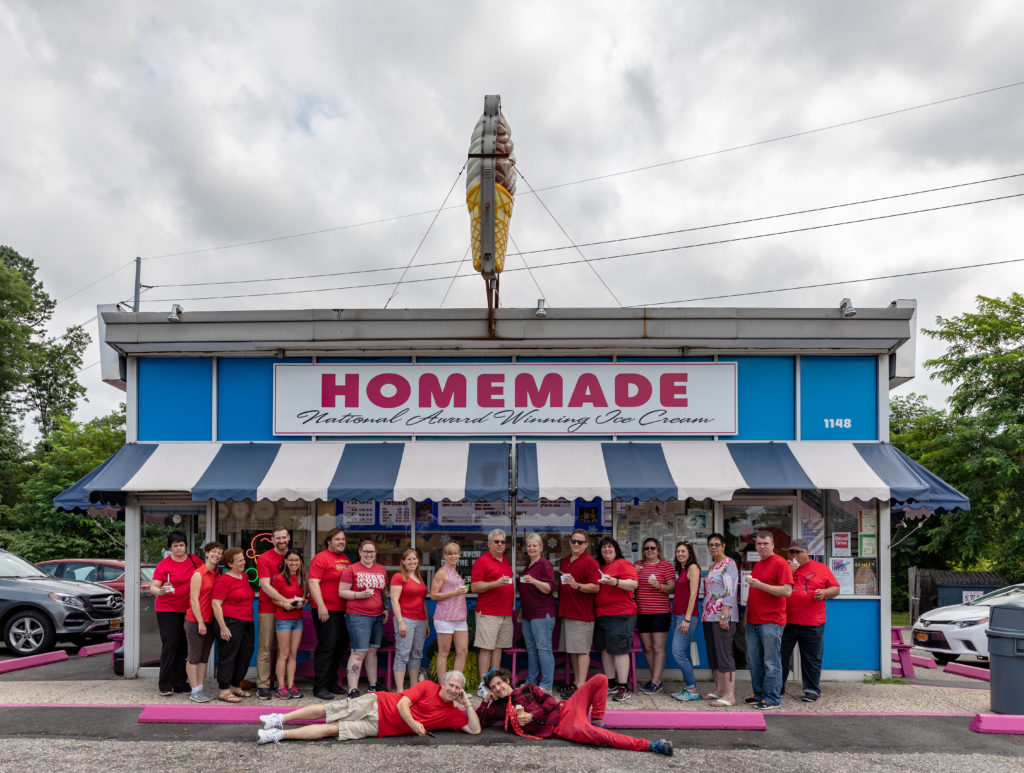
(504, 190)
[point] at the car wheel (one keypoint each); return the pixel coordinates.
(28, 633)
(942, 659)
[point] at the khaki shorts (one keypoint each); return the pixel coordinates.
(493, 632)
(356, 717)
(576, 636)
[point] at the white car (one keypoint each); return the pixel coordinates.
(961, 629)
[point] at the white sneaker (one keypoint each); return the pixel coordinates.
(272, 721)
(273, 735)
(482, 691)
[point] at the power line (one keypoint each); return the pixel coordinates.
(745, 221)
(833, 284)
(620, 255)
(648, 167)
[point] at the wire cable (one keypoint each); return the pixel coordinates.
(527, 266)
(745, 221)
(648, 167)
(619, 256)
(455, 276)
(426, 233)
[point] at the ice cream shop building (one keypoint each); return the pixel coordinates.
(417, 427)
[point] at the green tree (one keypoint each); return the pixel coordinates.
(38, 375)
(32, 528)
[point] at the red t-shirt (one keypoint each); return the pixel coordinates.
(267, 565)
(362, 578)
(763, 607)
(428, 708)
(801, 608)
(205, 594)
(500, 600)
(178, 574)
(327, 567)
(237, 595)
(682, 595)
(648, 600)
(412, 602)
(575, 604)
(611, 599)
(289, 590)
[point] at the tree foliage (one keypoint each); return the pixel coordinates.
(32, 528)
(977, 445)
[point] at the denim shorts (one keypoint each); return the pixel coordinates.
(288, 625)
(364, 632)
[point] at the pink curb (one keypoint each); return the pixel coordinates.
(209, 714)
(1005, 724)
(917, 660)
(96, 649)
(974, 672)
(16, 664)
(70, 706)
(686, 720)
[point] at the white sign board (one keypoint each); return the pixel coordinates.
(687, 398)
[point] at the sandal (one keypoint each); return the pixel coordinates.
(711, 697)
(721, 702)
(229, 698)
(241, 693)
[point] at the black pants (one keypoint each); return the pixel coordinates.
(331, 646)
(173, 649)
(811, 640)
(235, 654)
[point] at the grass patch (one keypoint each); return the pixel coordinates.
(901, 619)
(876, 678)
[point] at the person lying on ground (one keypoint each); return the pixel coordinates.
(530, 712)
(424, 707)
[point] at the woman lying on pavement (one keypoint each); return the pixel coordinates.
(530, 712)
(426, 706)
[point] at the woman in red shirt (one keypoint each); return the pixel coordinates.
(615, 615)
(531, 712)
(363, 585)
(654, 615)
(199, 631)
(170, 588)
(290, 582)
(409, 606)
(232, 607)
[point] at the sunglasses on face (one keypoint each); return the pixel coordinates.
(498, 541)
(650, 547)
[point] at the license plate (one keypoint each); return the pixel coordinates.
(920, 636)
(115, 623)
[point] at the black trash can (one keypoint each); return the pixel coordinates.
(1006, 656)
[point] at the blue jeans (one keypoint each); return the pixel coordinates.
(764, 659)
(681, 649)
(811, 640)
(364, 632)
(537, 635)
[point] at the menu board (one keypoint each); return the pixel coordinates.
(394, 513)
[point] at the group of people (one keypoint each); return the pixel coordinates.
(599, 603)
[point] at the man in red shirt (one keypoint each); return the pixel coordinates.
(426, 706)
(813, 584)
(491, 580)
(580, 574)
(267, 565)
(325, 572)
(770, 583)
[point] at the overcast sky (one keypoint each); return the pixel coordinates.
(179, 131)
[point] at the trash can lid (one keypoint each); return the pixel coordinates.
(1007, 619)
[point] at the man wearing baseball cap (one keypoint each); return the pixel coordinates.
(813, 584)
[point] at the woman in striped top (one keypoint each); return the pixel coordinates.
(654, 615)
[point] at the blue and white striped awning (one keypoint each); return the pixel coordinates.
(716, 470)
(300, 471)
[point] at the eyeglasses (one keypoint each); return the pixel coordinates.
(498, 541)
(578, 541)
(650, 547)
(714, 544)
(367, 551)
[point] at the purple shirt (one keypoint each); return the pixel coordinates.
(534, 603)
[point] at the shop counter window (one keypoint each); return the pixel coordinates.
(852, 544)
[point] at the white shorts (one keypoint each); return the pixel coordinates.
(450, 626)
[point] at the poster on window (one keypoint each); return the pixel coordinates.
(841, 544)
(812, 531)
(868, 545)
(394, 513)
(865, 576)
(867, 521)
(842, 568)
(357, 513)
